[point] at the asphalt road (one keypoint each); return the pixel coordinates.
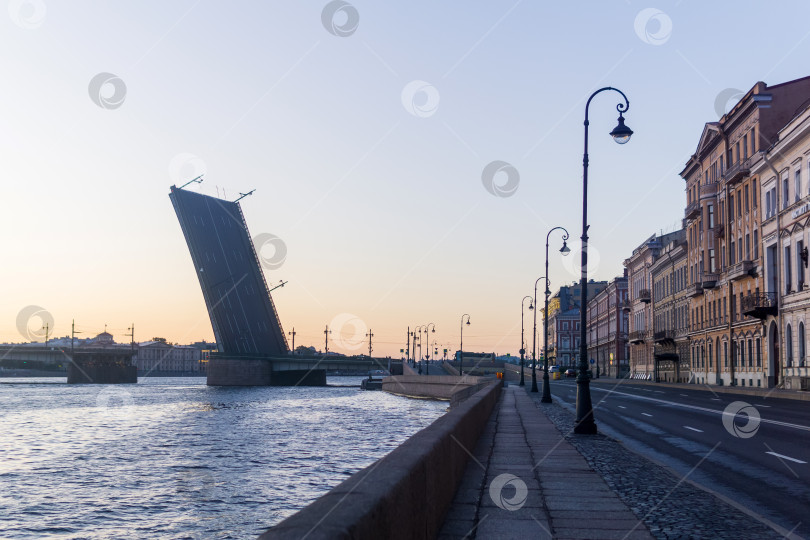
(762, 466)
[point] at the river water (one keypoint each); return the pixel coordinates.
(174, 458)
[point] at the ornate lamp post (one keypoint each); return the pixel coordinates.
(461, 345)
(522, 342)
(585, 423)
(565, 251)
(427, 346)
(534, 337)
(417, 337)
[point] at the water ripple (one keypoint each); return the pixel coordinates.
(173, 458)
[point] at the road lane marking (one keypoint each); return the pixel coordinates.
(622, 407)
(694, 429)
(761, 405)
(645, 414)
(684, 395)
(696, 408)
(715, 399)
(659, 392)
(782, 456)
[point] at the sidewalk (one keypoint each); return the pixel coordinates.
(524, 480)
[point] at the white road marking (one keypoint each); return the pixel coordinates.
(658, 392)
(715, 399)
(622, 407)
(694, 429)
(645, 414)
(786, 457)
(762, 405)
(696, 407)
(684, 395)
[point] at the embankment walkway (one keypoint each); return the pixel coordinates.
(524, 480)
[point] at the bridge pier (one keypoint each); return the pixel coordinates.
(259, 372)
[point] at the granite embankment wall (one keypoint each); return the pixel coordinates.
(407, 493)
(430, 386)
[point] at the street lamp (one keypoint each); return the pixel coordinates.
(427, 346)
(534, 336)
(565, 251)
(522, 343)
(417, 333)
(585, 423)
(461, 345)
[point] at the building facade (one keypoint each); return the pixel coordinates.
(671, 312)
(784, 304)
(639, 304)
(607, 330)
(723, 225)
(161, 356)
(563, 323)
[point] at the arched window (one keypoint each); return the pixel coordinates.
(789, 343)
(725, 354)
(801, 343)
(710, 355)
(750, 353)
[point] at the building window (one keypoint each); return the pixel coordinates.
(759, 353)
(711, 216)
(785, 192)
(747, 247)
(798, 183)
(731, 207)
(747, 208)
(756, 244)
(789, 340)
(799, 269)
(750, 353)
(725, 353)
(754, 192)
(801, 343)
(788, 265)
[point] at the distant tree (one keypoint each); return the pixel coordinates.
(163, 339)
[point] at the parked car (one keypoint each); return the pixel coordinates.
(553, 369)
(570, 372)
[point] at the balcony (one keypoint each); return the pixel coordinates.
(636, 337)
(719, 230)
(692, 210)
(708, 280)
(693, 290)
(644, 295)
(627, 305)
(759, 305)
(741, 270)
(662, 336)
(708, 190)
(737, 172)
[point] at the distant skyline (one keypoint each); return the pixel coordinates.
(369, 133)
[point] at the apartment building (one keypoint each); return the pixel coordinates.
(723, 230)
(671, 312)
(784, 306)
(607, 330)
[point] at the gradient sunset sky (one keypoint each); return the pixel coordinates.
(365, 129)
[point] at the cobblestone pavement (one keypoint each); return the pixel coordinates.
(670, 507)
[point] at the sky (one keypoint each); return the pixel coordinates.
(369, 132)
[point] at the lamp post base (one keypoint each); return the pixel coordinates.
(546, 390)
(584, 424)
(534, 381)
